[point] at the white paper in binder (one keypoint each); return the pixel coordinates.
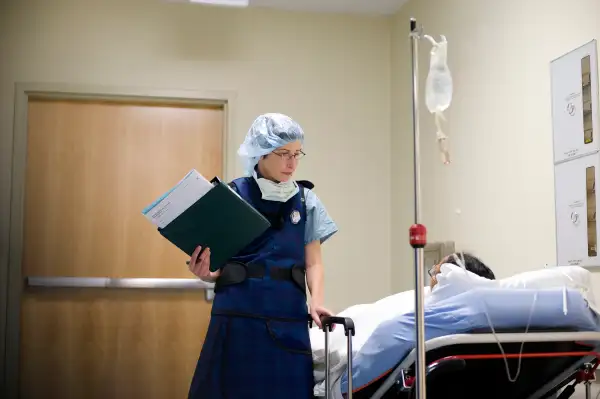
(576, 207)
(575, 103)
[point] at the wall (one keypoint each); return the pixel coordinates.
(501, 178)
(329, 72)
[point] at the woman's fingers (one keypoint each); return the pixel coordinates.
(195, 261)
(205, 263)
(196, 269)
(200, 263)
(316, 319)
(194, 257)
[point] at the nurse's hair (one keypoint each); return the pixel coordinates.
(472, 264)
(267, 133)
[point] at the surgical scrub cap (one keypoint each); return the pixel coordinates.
(267, 133)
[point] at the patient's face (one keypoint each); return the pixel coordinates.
(434, 271)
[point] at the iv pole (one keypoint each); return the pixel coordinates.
(418, 232)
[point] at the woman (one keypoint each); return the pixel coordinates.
(257, 344)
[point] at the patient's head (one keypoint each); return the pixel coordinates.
(471, 263)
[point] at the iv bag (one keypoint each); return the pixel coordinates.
(438, 90)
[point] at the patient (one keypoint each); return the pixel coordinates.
(471, 262)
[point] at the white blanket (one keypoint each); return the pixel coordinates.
(366, 318)
(452, 280)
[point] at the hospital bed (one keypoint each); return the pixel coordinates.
(545, 340)
(482, 343)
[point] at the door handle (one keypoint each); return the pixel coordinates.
(128, 283)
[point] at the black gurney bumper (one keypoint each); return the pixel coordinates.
(478, 370)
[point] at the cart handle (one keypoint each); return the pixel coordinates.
(329, 321)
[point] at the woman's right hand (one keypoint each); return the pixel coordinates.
(199, 265)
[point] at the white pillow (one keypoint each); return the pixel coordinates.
(574, 277)
(453, 280)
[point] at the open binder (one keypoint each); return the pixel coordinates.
(220, 220)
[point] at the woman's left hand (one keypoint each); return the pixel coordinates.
(317, 312)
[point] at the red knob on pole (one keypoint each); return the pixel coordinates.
(418, 236)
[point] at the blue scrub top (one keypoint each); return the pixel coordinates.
(319, 225)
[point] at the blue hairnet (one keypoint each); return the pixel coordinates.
(267, 133)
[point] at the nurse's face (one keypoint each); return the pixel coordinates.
(281, 164)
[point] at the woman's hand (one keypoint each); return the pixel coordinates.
(317, 312)
(200, 265)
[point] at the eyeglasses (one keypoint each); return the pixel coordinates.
(288, 156)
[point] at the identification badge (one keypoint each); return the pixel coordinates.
(295, 217)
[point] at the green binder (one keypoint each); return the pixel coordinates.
(220, 220)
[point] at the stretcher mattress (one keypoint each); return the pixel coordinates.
(507, 309)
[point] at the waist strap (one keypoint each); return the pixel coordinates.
(237, 272)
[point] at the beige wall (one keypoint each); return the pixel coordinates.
(329, 72)
(499, 125)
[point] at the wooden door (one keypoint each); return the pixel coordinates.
(91, 169)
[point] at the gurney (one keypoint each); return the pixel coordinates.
(530, 352)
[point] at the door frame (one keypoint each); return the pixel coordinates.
(12, 286)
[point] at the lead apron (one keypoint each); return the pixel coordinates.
(257, 344)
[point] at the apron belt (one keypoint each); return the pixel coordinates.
(237, 272)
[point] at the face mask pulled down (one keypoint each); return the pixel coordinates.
(272, 191)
